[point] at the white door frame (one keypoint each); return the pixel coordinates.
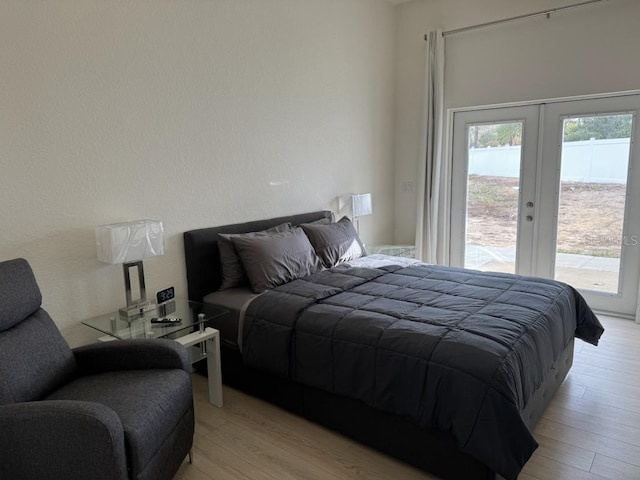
(625, 302)
(542, 262)
(529, 116)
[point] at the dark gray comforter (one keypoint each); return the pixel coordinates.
(451, 349)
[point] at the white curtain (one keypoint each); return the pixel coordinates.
(432, 223)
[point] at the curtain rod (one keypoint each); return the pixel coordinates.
(546, 13)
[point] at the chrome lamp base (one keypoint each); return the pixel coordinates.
(137, 309)
(140, 305)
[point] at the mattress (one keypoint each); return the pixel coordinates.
(236, 301)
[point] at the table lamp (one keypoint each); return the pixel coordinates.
(356, 206)
(128, 243)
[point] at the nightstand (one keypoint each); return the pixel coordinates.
(407, 251)
(200, 342)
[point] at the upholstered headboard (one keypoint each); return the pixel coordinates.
(202, 256)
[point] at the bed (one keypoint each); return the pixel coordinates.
(447, 369)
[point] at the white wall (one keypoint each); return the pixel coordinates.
(196, 113)
(582, 51)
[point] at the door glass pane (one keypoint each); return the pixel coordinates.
(493, 183)
(593, 187)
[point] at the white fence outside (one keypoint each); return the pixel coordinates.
(590, 161)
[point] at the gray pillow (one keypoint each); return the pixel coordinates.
(335, 243)
(322, 221)
(233, 274)
(271, 260)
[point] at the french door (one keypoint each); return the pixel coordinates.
(552, 190)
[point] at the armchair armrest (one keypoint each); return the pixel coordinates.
(66, 439)
(131, 355)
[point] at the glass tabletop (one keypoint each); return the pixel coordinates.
(191, 315)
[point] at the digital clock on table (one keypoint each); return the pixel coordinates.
(165, 295)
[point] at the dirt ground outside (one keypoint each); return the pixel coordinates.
(590, 217)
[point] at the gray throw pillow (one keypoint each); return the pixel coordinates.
(322, 221)
(233, 274)
(335, 243)
(272, 260)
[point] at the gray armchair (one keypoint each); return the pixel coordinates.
(108, 411)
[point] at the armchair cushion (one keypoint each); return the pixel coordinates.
(150, 404)
(131, 355)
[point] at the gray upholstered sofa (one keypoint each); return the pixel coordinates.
(116, 410)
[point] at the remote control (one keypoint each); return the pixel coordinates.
(166, 320)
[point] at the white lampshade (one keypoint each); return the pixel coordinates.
(356, 205)
(130, 241)
(361, 205)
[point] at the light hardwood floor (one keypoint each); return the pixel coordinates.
(590, 431)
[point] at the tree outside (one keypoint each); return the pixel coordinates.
(598, 127)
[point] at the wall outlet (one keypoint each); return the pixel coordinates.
(407, 187)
